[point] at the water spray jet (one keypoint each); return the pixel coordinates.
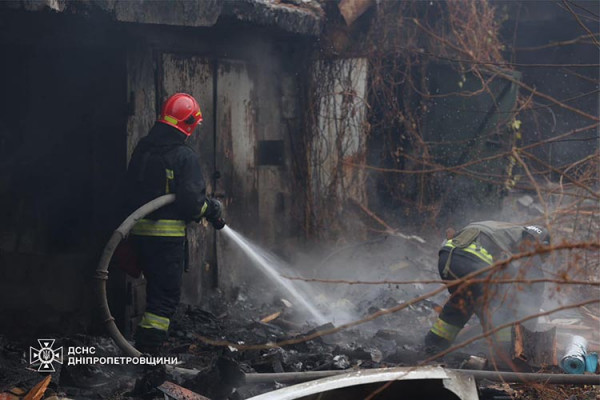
(101, 273)
(269, 267)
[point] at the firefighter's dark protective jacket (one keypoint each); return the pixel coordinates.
(161, 164)
(488, 241)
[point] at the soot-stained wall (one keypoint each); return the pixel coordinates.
(247, 81)
(62, 149)
(82, 89)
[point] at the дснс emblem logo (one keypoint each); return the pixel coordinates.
(45, 355)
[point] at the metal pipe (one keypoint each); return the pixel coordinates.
(101, 274)
(496, 376)
(518, 377)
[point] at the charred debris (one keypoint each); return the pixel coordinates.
(348, 137)
(239, 350)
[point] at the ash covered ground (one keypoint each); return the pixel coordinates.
(263, 313)
(218, 367)
(239, 334)
(243, 333)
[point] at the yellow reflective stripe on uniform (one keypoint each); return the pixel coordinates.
(170, 175)
(170, 119)
(474, 249)
(153, 321)
(161, 227)
(445, 330)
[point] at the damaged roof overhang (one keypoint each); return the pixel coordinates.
(304, 19)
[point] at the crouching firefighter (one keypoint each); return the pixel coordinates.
(163, 163)
(476, 246)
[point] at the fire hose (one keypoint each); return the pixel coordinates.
(101, 274)
(121, 232)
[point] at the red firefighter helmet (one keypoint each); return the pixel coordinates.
(181, 111)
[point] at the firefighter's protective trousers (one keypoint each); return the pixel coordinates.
(464, 301)
(163, 261)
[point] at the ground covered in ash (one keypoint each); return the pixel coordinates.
(250, 344)
(218, 347)
(263, 330)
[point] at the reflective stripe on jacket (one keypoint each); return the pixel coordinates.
(161, 227)
(475, 249)
(153, 321)
(445, 330)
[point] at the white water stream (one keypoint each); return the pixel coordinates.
(269, 266)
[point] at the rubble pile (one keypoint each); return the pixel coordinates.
(247, 333)
(251, 344)
(214, 350)
(217, 367)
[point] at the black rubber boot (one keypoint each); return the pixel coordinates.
(149, 340)
(434, 343)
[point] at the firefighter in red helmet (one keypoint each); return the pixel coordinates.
(163, 163)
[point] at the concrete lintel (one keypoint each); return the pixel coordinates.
(304, 18)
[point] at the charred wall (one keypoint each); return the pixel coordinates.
(62, 137)
(246, 80)
(84, 88)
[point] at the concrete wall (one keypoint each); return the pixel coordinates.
(341, 129)
(338, 142)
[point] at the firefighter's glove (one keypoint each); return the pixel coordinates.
(213, 213)
(213, 209)
(218, 224)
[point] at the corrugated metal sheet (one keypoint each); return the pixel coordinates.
(429, 382)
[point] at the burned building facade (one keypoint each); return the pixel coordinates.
(308, 123)
(83, 82)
